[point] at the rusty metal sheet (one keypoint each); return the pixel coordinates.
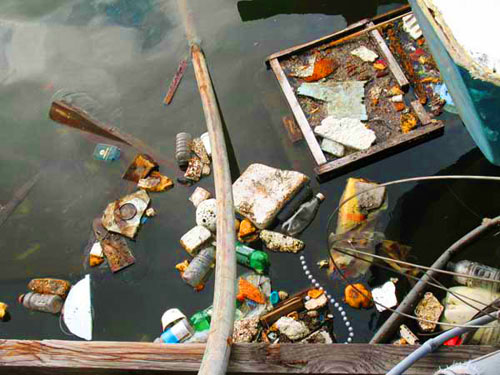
(117, 252)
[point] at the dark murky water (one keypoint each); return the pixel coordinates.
(116, 58)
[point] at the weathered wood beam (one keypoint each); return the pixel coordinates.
(54, 357)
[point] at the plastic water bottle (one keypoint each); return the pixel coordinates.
(179, 332)
(469, 268)
(254, 259)
(42, 302)
(199, 269)
(303, 217)
(183, 149)
(201, 319)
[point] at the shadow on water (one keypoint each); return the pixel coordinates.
(251, 10)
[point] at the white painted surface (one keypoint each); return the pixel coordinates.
(475, 26)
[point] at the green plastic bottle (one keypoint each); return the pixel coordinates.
(254, 259)
(201, 319)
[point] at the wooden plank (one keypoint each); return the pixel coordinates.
(175, 81)
(391, 14)
(338, 34)
(55, 357)
(391, 61)
(403, 140)
(292, 129)
(422, 114)
(307, 132)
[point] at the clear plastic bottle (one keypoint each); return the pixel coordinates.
(302, 196)
(469, 268)
(199, 269)
(183, 149)
(42, 302)
(303, 217)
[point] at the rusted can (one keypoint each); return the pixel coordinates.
(50, 286)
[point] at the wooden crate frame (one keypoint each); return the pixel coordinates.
(398, 143)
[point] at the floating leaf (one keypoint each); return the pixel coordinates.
(322, 68)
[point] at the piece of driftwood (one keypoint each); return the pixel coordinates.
(386, 331)
(292, 129)
(52, 357)
(67, 114)
(307, 132)
(392, 145)
(396, 70)
(176, 81)
(422, 114)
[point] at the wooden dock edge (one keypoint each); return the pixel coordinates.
(384, 149)
(76, 357)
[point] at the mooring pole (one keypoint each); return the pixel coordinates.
(218, 349)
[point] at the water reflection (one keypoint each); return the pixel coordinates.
(251, 10)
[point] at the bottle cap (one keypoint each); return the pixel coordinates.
(320, 196)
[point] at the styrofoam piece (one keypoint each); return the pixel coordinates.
(332, 147)
(192, 240)
(349, 132)
(364, 54)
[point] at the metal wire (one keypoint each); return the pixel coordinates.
(395, 182)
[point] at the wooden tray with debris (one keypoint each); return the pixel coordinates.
(350, 98)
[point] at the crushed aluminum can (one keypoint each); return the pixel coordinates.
(194, 239)
(118, 216)
(141, 167)
(428, 308)
(194, 170)
(262, 191)
(385, 296)
(279, 242)
(117, 252)
(199, 195)
(407, 335)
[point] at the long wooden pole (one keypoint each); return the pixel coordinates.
(218, 349)
(391, 324)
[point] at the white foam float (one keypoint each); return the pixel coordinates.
(77, 313)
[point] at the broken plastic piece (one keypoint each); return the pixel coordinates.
(356, 299)
(380, 64)
(249, 291)
(50, 286)
(261, 192)
(199, 195)
(323, 67)
(3, 310)
(141, 167)
(124, 223)
(385, 296)
(78, 309)
(194, 239)
(428, 308)
(349, 132)
(155, 182)
(279, 242)
(246, 229)
(274, 298)
(150, 212)
(314, 293)
(106, 152)
(205, 138)
(364, 54)
(283, 295)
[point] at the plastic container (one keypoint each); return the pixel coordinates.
(200, 267)
(476, 269)
(201, 319)
(183, 149)
(254, 259)
(42, 302)
(176, 327)
(303, 217)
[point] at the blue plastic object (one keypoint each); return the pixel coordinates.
(274, 297)
(106, 152)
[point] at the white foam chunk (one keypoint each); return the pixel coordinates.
(77, 313)
(364, 54)
(332, 147)
(346, 131)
